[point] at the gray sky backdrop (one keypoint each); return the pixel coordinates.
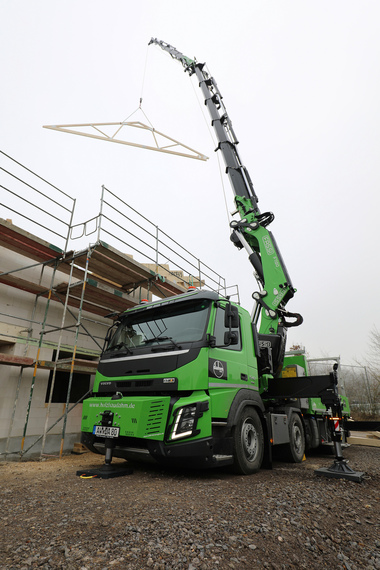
(301, 83)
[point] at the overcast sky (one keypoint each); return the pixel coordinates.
(301, 83)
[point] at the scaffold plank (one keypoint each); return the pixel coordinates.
(98, 294)
(120, 270)
(80, 365)
(12, 360)
(24, 243)
(112, 274)
(23, 284)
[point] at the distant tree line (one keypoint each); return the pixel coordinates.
(363, 381)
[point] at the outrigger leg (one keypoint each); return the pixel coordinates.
(339, 469)
(108, 471)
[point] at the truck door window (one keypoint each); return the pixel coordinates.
(220, 329)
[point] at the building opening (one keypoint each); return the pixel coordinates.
(80, 384)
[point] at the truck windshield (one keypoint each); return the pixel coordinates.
(171, 323)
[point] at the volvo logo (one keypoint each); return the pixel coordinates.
(218, 369)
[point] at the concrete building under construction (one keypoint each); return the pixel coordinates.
(57, 301)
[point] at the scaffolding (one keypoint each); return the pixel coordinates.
(90, 286)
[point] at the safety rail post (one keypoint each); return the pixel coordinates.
(69, 228)
(55, 362)
(157, 242)
(77, 325)
(101, 211)
(185, 261)
(35, 366)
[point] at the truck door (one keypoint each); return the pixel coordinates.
(227, 366)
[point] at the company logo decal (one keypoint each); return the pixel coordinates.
(268, 245)
(217, 369)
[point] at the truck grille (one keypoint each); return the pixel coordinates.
(134, 383)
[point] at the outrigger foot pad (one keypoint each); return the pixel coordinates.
(340, 470)
(107, 471)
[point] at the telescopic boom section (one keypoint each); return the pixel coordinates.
(251, 231)
(239, 177)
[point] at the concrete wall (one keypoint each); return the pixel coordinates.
(16, 308)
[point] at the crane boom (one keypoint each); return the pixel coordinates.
(250, 232)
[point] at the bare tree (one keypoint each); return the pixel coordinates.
(361, 390)
(374, 352)
(363, 380)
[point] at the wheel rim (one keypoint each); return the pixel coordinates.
(297, 439)
(249, 440)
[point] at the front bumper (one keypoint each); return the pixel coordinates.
(197, 453)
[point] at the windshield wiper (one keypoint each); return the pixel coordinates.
(163, 338)
(119, 345)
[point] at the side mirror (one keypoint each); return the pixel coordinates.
(231, 317)
(231, 337)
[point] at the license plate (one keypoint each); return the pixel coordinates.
(106, 431)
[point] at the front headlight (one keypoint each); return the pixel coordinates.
(184, 422)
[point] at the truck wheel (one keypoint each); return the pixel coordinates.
(296, 448)
(248, 441)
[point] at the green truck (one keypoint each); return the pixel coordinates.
(194, 379)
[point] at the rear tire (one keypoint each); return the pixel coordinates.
(248, 441)
(295, 450)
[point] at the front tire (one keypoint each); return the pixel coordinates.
(248, 441)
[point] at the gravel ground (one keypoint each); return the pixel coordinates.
(286, 517)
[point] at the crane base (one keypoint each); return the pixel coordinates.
(340, 470)
(107, 471)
